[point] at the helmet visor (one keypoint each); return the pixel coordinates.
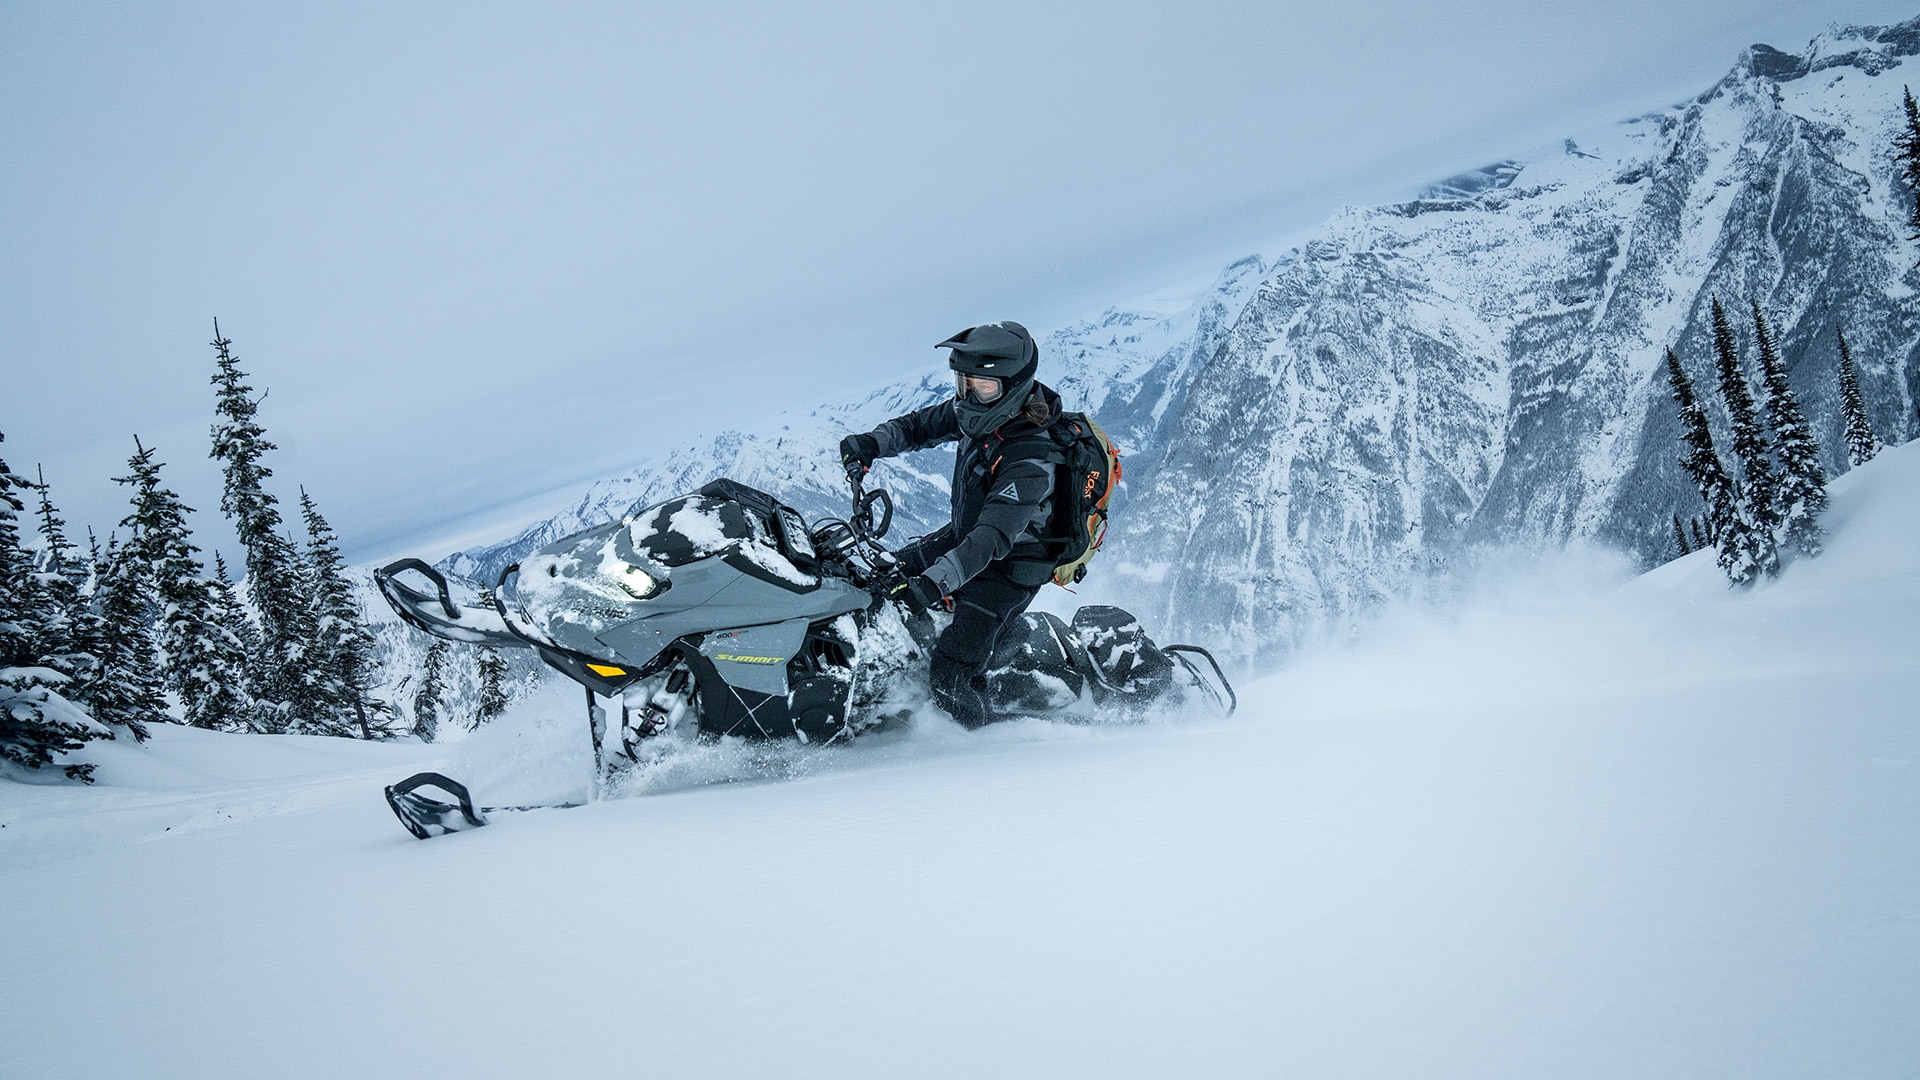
(983, 389)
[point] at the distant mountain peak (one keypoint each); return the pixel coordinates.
(1872, 49)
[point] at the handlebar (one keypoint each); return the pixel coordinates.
(862, 521)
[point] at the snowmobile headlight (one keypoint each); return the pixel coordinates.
(637, 582)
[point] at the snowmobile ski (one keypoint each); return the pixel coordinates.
(427, 817)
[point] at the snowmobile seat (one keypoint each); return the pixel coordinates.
(1125, 661)
(1037, 667)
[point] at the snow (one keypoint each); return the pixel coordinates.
(699, 522)
(1571, 823)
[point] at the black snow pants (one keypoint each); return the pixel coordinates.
(983, 608)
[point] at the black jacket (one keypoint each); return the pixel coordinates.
(1002, 491)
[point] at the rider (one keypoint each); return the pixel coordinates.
(993, 556)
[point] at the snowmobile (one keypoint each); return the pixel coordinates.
(723, 614)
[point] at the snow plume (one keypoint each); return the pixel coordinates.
(1577, 629)
(540, 750)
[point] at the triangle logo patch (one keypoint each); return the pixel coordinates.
(1008, 492)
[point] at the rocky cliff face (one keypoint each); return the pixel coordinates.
(1478, 367)
(1481, 367)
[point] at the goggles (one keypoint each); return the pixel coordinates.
(983, 389)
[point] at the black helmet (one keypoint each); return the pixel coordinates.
(1002, 351)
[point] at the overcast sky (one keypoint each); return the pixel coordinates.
(480, 252)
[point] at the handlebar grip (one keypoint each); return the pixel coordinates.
(878, 495)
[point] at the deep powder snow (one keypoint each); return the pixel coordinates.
(1576, 824)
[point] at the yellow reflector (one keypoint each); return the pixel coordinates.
(609, 672)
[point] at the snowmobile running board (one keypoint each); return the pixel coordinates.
(427, 818)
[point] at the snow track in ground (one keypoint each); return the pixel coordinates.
(1569, 826)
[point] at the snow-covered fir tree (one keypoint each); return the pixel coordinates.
(127, 691)
(1862, 443)
(1725, 518)
(214, 659)
(1907, 154)
(343, 646)
(426, 699)
(69, 627)
(281, 675)
(229, 613)
(493, 685)
(203, 663)
(57, 555)
(37, 721)
(1680, 537)
(1802, 493)
(1758, 486)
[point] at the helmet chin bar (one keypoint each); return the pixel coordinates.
(976, 420)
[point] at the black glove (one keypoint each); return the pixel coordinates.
(857, 453)
(917, 592)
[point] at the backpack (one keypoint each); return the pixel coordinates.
(1088, 470)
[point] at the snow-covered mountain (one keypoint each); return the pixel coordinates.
(1482, 366)
(1479, 367)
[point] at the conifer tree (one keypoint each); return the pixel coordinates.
(426, 700)
(128, 691)
(58, 556)
(219, 701)
(1725, 521)
(493, 685)
(281, 675)
(1802, 495)
(229, 613)
(203, 663)
(230, 610)
(16, 568)
(1907, 156)
(1680, 537)
(1699, 533)
(1862, 443)
(1759, 485)
(37, 721)
(69, 627)
(343, 646)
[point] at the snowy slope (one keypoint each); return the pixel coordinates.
(1581, 824)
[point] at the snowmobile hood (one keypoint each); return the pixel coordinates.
(611, 575)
